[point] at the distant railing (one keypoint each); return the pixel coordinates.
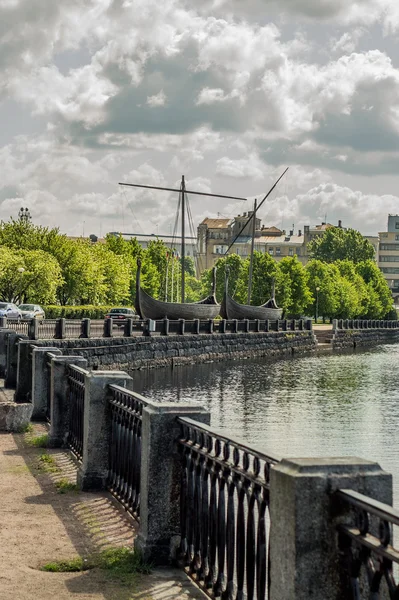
(364, 324)
(18, 325)
(224, 504)
(367, 544)
(49, 329)
(76, 397)
(125, 448)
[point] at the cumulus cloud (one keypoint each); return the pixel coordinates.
(222, 91)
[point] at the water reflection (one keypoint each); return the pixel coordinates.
(332, 405)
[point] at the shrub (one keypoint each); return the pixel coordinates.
(76, 312)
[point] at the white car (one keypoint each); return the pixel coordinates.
(10, 310)
(31, 311)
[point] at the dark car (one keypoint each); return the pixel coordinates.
(119, 315)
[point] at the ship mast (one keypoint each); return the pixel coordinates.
(183, 191)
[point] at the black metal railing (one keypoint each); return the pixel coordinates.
(76, 397)
(224, 512)
(125, 447)
(366, 546)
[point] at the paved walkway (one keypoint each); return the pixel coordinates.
(38, 525)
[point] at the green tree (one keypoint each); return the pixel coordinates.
(380, 302)
(237, 278)
(300, 295)
(28, 276)
(189, 265)
(263, 276)
(322, 276)
(340, 244)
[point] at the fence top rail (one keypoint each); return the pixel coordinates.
(191, 424)
(118, 389)
(76, 370)
(374, 507)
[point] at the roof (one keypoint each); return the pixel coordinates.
(147, 237)
(322, 227)
(271, 231)
(216, 223)
(294, 240)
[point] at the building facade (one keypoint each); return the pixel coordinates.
(216, 235)
(388, 253)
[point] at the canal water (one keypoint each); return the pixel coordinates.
(325, 405)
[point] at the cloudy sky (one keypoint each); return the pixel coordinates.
(226, 92)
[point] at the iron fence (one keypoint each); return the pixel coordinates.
(76, 397)
(224, 511)
(366, 546)
(125, 447)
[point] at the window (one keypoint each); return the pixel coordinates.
(278, 251)
(298, 251)
(271, 251)
(392, 247)
(389, 258)
(392, 270)
(397, 237)
(290, 251)
(397, 225)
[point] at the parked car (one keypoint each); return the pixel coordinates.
(31, 311)
(10, 310)
(119, 315)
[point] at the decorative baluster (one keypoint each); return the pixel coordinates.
(213, 523)
(240, 549)
(221, 534)
(190, 509)
(206, 466)
(230, 536)
(250, 562)
(183, 507)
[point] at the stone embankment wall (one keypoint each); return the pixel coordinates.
(358, 338)
(161, 351)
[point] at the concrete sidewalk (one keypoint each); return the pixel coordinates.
(38, 525)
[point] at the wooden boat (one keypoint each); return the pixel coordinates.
(230, 309)
(148, 307)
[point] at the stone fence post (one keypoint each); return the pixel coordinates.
(4, 333)
(10, 379)
(304, 516)
(59, 411)
(23, 391)
(40, 380)
(93, 471)
(161, 471)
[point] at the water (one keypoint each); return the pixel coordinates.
(327, 405)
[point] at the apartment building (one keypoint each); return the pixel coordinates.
(388, 253)
(215, 236)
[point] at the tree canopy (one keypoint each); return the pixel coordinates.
(38, 264)
(341, 244)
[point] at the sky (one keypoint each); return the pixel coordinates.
(227, 92)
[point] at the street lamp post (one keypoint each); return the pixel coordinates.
(317, 303)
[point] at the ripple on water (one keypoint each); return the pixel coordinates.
(327, 405)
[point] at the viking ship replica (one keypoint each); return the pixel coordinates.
(230, 309)
(150, 308)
